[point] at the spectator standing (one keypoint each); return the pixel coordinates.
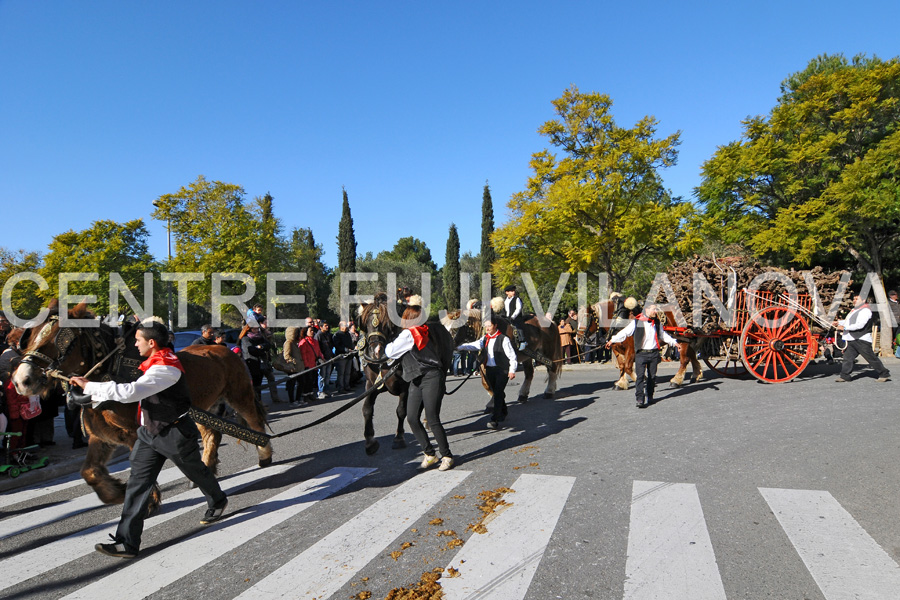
(894, 305)
(327, 348)
(343, 343)
(254, 349)
(294, 358)
(565, 339)
(312, 357)
(207, 336)
(355, 368)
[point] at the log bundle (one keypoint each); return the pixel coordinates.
(716, 272)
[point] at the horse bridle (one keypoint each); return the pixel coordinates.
(64, 341)
(374, 335)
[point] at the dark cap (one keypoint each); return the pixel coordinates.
(509, 288)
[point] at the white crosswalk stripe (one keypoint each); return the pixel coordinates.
(669, 549)
(843, 559)
(670, 555)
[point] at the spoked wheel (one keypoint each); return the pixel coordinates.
(727, 361)
(776, 344)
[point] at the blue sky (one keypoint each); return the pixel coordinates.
(411, 106)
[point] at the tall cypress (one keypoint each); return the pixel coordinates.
(451, 269)
(487, 228)
(347, 243)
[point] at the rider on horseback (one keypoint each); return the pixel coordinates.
(513, 310)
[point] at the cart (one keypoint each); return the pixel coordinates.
(16, 462)
(769, 335)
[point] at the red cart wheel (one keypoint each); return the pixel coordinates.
(727, 362)
(776, 344)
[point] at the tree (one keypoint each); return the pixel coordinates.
(104, 248)
(488, 255)
(305, 256)
(598, 207)
(820, 174)
(26, 297)
(216, 232)
(451, 269)
(346, 242)
(410, 249)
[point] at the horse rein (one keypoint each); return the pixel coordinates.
(51, 369)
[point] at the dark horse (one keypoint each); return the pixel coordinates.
(544, 340)
(376, 331)
(213, 373)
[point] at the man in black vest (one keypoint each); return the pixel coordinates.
(647, 332)
(166, 432)
(857, 332)
(499, 366)
(513, 309)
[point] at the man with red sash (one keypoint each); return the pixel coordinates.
(421, 368)
(647, 332)
(167, 432)
(496, 353)
(857, 332)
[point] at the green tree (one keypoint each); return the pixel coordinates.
(346, 242)
(305, 256)
(26, 297)
(599, 206)
(820, 174)
(104, 248)
(488, 256)
(451, 269)
(410, 249)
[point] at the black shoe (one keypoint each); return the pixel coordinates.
(641, 404)
(215, 513)
(493, 425)
(117, 549)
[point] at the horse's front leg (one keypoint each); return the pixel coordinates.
(399, 440)
(368, 411)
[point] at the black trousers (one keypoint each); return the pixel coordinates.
(427, 390)
(177, 443)
(861, 348)
(645, 384)
(497, 380)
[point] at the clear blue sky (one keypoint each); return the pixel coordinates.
(411, 106)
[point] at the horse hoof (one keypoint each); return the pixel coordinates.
(265, 462)
(398, 444)
(372, 448)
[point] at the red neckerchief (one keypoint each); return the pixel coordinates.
(645, 319)
(162, 357)
(489, 337)
(420, 336)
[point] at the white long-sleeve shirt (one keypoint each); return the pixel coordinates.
(650, 342)
(513, 307)
(491, 362)
(857, 319)
(156, 379)
(403, 344)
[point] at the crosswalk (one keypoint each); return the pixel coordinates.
(670, 554)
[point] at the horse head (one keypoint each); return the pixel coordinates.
(468, 331)
(376, 328)
(52, 350)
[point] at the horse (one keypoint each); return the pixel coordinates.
(213, 373)
(376, 331)
(687, 353)
(539, 339)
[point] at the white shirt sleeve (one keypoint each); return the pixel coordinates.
(510, 355)
(857, 321)
(472, 346)
(403, 344)
(628, 331)
(668, 338)
(156, 379)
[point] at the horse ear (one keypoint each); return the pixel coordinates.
(80, 311)
(53, 306)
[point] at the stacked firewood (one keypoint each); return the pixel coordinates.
(716, 272)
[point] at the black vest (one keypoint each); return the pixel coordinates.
(415, 362)
(164, 408)
(639, 330)
(500, 358)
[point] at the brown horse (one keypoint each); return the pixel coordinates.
(540, 339)
(376, 331)
(213, 373)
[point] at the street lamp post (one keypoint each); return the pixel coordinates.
(168, 263)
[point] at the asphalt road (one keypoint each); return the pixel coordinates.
(721, 489)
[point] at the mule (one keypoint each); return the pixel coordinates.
(213, 373)
(376, 331)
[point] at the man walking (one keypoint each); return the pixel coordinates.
(497, 355)
(166, 432)
(856, 330)
(647, 332)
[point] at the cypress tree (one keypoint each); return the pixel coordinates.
(347, 243)
(487, 228)
(451, 269)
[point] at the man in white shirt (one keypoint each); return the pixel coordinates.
(513, 310)
(496, 353)
(648, 333)
(856, 330)
(167, 432)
